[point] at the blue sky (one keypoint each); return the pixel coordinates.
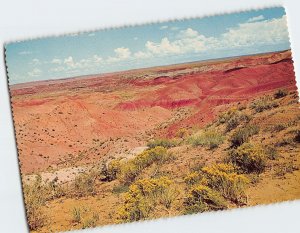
(148, 45)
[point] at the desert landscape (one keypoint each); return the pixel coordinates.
(158, 142)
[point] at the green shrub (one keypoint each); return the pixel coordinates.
(163, 142)
(210, 138)
(202, 198)
(280, 93)
(242, 135)
(249, 157)
(223, 178)
(143, 197)
(263, 103)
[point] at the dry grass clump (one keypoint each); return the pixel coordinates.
(202, 198)
(233, 118)
(263, 103)
(242, 135)
(210, 138)
(35, 196)
(84, 184)
(83, 215)
(144, 196)
(163, 142)
(249, 157)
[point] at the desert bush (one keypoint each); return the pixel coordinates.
(182, 133)
(163, 142)
(110, 171)
(84, 185)
(192, 178)
(35, 196)
(202, 198)
(249, 157)
(280, 93)
(55, 189)
(233, 118)
(242, 135)
(120, 189)
(271, 152)
(76, 215)
(263, 103)
(142, 198)
(223, 178)
(132, 168)
(91, 221)
(297, 136)
(210, 138)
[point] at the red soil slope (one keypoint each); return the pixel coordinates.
(82, 120)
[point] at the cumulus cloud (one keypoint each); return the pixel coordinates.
(256, 18)
(257, 33)
(35, 72)
(56, 61)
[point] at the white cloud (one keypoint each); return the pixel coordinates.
(163, 47)
(122, 52)
(164, 27)
(56, 61)
(256, 18)
(35, 72)
(257, 33)
(97, 58)
(25, 52)
(69, 61)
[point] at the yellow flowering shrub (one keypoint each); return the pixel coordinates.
(223, 178)
(249, 157)
(142, 198)
(129, 170)
(202, 198)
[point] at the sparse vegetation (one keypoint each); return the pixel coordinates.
(35, 196)
(263, 103)
(143, 196)
(202, 198)
(210, 138)
(131, 169)
(280, 93)
(242, 135)
(223, 178)
(249, 157)
(163, 142)
(84, 184)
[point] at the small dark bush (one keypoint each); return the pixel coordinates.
(280, 93)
